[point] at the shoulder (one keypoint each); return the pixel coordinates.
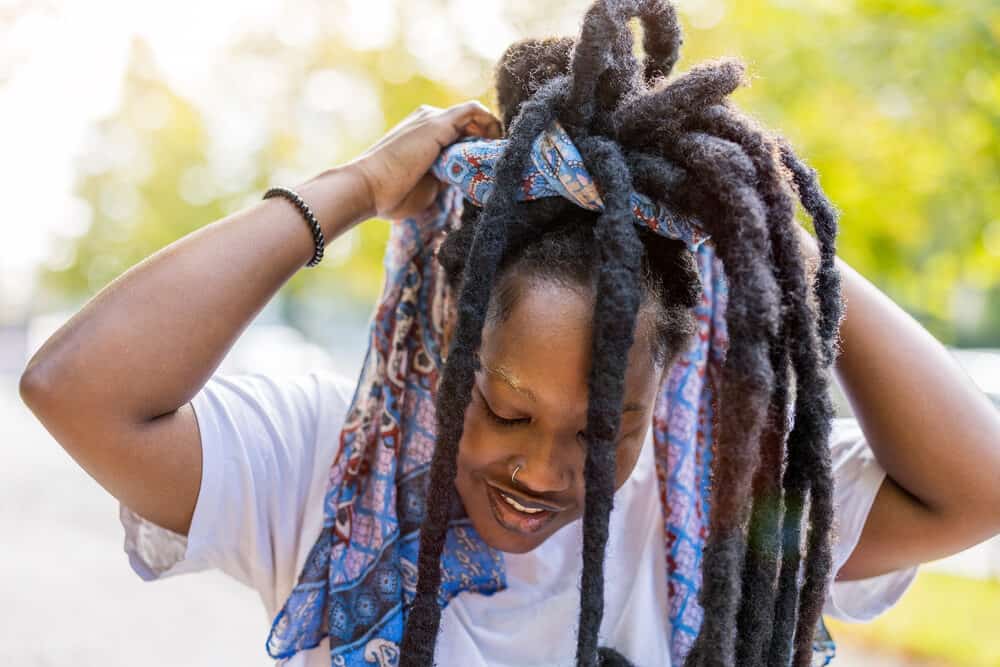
(267, 408)
(858, 477)
(267, 443)
(857, 474)
(311, 390)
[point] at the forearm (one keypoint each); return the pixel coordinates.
(147, 342)
(929, 426)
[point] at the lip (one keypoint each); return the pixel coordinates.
(519, 522)
(530, 503)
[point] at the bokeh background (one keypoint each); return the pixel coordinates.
(126, 125)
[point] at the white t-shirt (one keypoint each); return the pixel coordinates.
(267, 443)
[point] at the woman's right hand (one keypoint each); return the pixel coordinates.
(396, 168)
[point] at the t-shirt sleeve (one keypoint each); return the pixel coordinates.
(857, 477)
(259, 455)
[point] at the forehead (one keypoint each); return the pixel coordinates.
(544, 343)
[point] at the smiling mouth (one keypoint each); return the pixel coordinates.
(518, 514)
(518, 506)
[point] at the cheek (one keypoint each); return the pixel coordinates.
(479, 446)
(627, 456)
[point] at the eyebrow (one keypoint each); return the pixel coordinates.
(513, 383)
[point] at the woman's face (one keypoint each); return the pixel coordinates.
(529, 409)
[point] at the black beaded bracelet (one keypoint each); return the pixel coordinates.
(317, 233)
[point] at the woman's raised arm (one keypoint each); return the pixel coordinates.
(931, 429)
(109, 383)
(112, 385)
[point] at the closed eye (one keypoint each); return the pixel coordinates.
(497, 419)
(503, 421)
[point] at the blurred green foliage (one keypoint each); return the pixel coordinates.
(897, 104)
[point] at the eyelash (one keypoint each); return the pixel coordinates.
(497, 419)
(500, 421)
(508, 423)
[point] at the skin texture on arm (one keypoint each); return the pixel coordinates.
(113, 384)
(935, 434)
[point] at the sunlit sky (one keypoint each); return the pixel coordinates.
(69, 58)
(65, 62)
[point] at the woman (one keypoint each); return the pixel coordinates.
(503, 418)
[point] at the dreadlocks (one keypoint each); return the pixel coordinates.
(681, 142)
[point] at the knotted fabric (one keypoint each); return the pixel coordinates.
(361, 573)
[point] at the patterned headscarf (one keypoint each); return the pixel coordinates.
(361, 573)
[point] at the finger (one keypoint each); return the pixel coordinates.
(469, 107)
(476, 128)
(477, 112)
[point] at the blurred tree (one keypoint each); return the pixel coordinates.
(897, 104)
(142, 177)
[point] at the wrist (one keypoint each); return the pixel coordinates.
(340, 199)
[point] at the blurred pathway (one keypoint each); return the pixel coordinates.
(69, 595)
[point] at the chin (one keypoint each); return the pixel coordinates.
(501, 539)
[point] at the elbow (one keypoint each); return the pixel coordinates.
(994, 517)
(982, 516)
(29, 386)
(992, 502)
(990, 523)
(34, 385)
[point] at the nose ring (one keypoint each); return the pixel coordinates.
(514, 474)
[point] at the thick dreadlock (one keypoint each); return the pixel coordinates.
(683, 143)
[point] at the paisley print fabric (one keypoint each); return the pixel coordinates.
(361, 573)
